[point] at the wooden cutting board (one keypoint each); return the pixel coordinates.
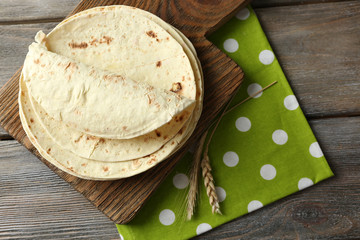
(120, 200)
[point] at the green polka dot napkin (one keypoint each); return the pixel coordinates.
(262, 151)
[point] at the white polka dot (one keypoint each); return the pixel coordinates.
(254, 205)
(291, 103)
(180, 181)
(254, 88)
(304, 183)
(231, 45)
(203, 227)
(243, 14)
(266, 57)
(121, 237)
(268, 172)
(231, 159)
(243, 124)
(167, 217)
(220, 193)
(315, 150)
(280, 137)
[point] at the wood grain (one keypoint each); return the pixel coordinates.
(36, 203)
(319, 50)
(40, 10)
(10, 10)
(121, 200)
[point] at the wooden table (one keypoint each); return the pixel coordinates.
(318, 45)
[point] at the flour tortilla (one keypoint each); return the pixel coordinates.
(97, 102)
(76, 168)
(105, 149)
(140, 48)
(119, 150)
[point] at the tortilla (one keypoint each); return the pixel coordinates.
(97, 102)
(95, 170)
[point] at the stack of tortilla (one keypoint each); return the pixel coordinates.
(110, 92)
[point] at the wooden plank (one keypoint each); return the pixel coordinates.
(20, 10)
(4, 135)
(45, 10)
(221, 83)
(36, 203)
(275, 3)
(323, 74)
(318, 47)
(329, 210)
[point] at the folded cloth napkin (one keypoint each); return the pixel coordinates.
(262, 150)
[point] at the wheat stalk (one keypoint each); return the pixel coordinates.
(205, 164)
(194, 178)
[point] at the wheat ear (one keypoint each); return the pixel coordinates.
(194, 178)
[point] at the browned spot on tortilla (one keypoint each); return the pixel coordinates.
(158, 133)
(69, 77)
(71, 169)
(84, 164)
(35, 137)
(158, 64)
(29, 126)
(151, 161)
(172, 143)
(25, 102)
(167, 38)
(165, 137)
(136, 162)
(114, 78)
(52, 73)
(42, 65)
(59, 64)
(89, 137)
(106, 150)
(158, 40)
(77, 140)
(181, 131)
(149, 99)
(22, 93)
(41, 54)
(36, 61)
(101, 140)
(87, 130)
(67, 66)
(176, 87)
(93, 42)
(107, 39)
(123, 169)
(101, 9)
(151, 34)
(31, 120)
(106, 169)
(183, 78)
(77, 111)
(67, 162)
(124, 128)
(78, 45)
(48, 151)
